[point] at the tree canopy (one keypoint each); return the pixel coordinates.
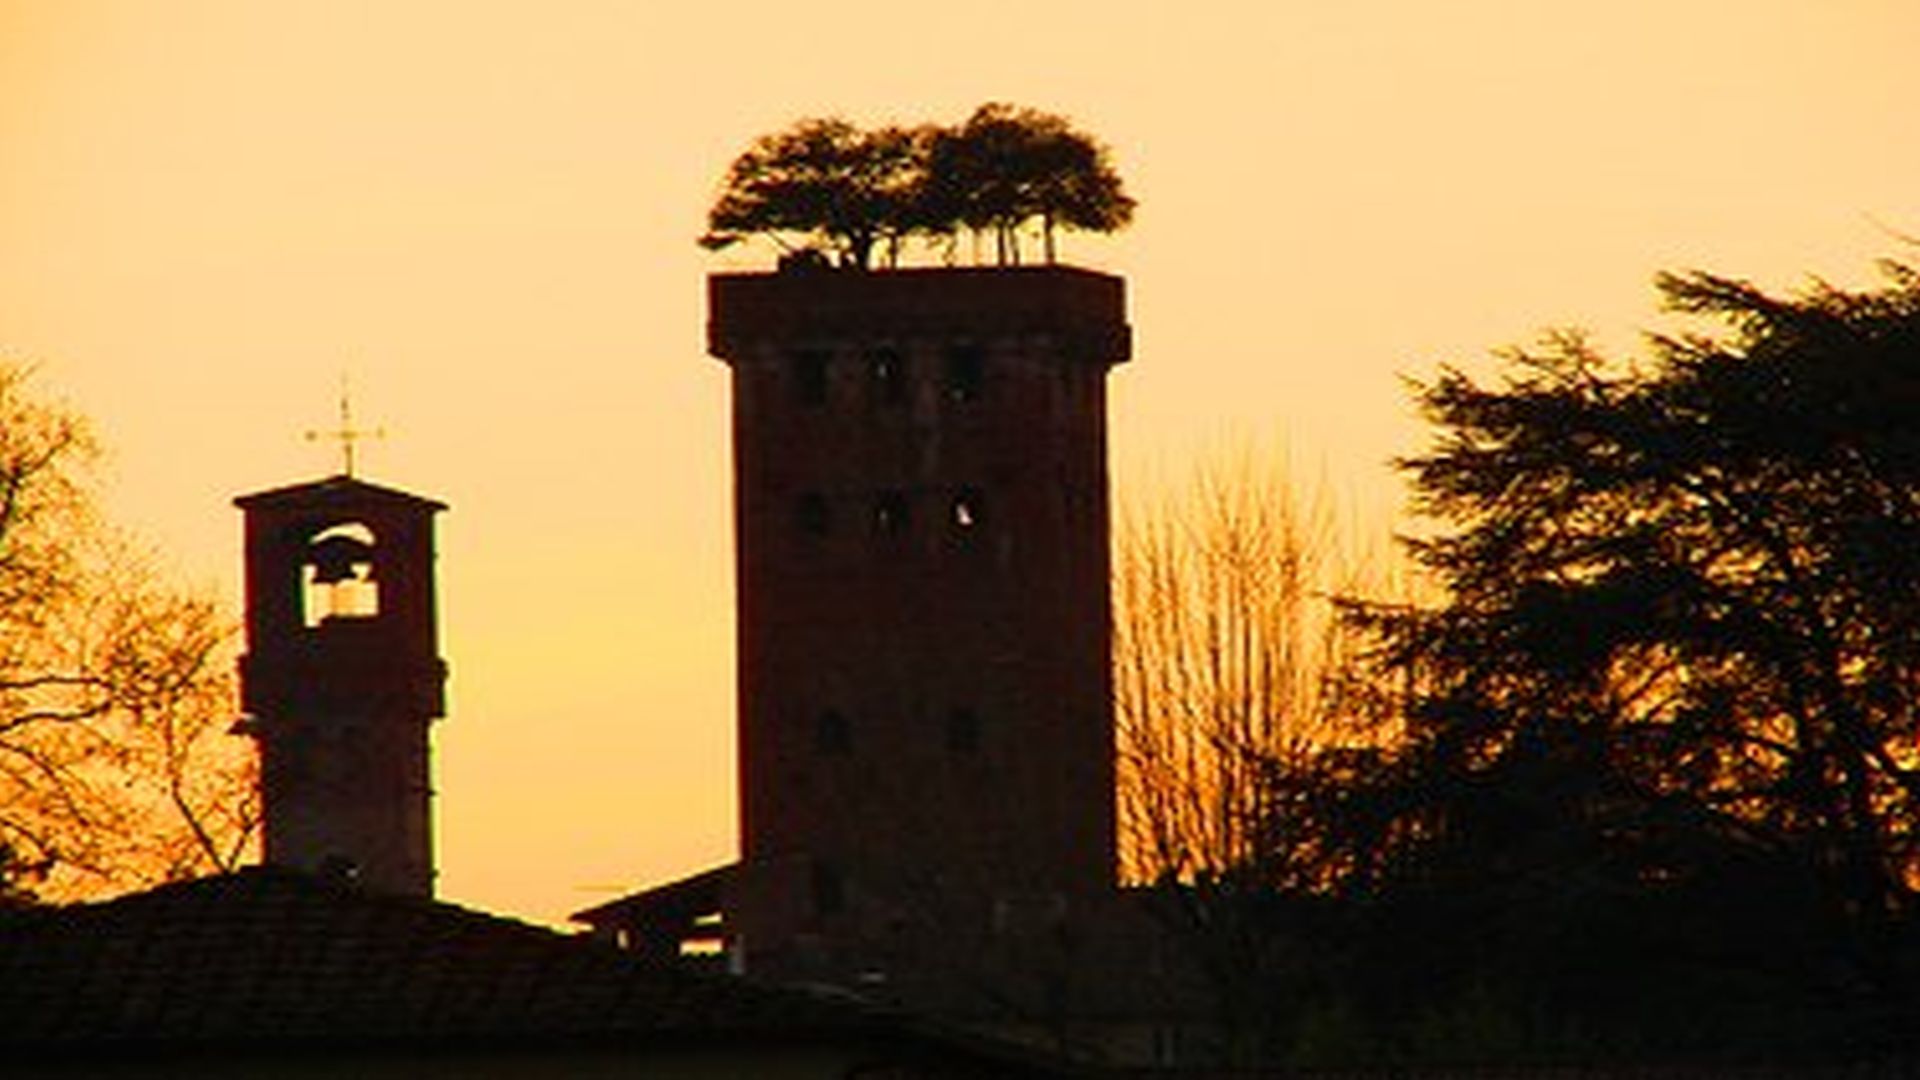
(1007, 166)
(826, 181)
(824, 186)
(115, 687)
(1672, 696)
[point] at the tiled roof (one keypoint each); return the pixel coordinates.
(696, 894)
(270, 958)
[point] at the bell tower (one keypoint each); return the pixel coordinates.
(342, 677)
(921, 537)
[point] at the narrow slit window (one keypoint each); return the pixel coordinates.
(812, 515)
(829, 889)
(887, 377)
(890, 513)
(809, 370)
(966, 373)
(967, 512)
(963, 731)
(831, 733)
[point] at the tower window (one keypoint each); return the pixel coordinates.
(339, 869)
(966, 373)
(829, 890)
(890, 513)
(831, 733)
(966, 511)
(887, 376)
(338, 579)
(811, 514)
(809, 370)
(963, 731)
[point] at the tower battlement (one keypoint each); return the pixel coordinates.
(1083, 311)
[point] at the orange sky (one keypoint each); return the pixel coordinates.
(486, 211)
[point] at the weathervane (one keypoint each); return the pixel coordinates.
(346, 434)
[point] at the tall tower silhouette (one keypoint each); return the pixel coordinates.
(921, 531)
(343, 676)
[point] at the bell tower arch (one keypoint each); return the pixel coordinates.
(343, 677)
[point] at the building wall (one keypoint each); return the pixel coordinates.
(922, 545)
(340, 705)
(715, 1063)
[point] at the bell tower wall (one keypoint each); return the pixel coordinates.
(342, 678)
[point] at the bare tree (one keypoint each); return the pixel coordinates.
(1225, 634)
(1231, 739)
(115, 688)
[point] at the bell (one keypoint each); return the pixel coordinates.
(333, 559)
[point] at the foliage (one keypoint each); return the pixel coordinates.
(1006, 166)
(826, 181)
(1672, 697)
(115, 689)
(835, 188)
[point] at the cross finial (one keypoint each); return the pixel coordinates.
(346, 434)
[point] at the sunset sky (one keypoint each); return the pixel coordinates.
(485, 212)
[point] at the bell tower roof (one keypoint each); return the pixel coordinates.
(335, 491)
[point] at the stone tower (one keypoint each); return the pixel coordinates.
(342, 677)
(925, 727)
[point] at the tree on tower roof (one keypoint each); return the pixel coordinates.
(826, 188)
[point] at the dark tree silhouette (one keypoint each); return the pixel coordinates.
(828, 183)
(1007, 166)
(826, 186)
(1676, 679)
